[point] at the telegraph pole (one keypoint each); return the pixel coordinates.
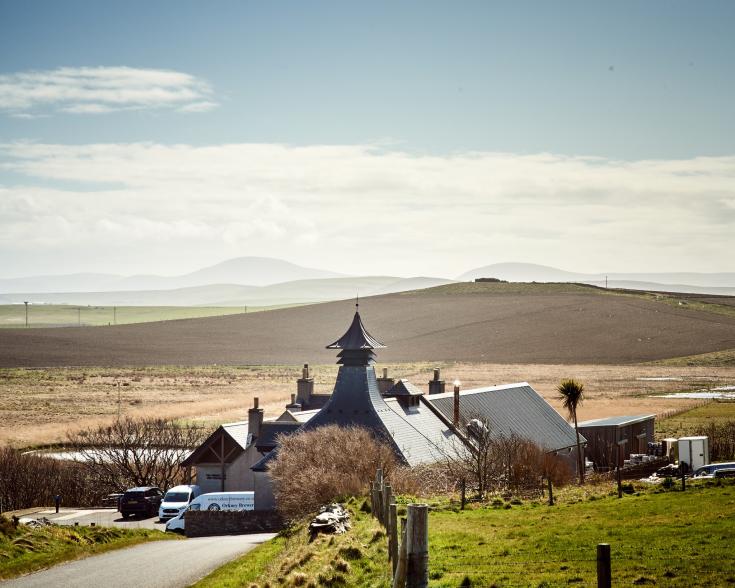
(26, 303)
(79, 315)
(114, 315)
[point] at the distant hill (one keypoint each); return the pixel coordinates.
(705, 283)
(247, 271)
(292, 292)
(499, 323)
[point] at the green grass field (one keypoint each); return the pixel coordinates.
(63, 315)
(24, 550)
(686, 423)
(658, 537)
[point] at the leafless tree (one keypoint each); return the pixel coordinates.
(144, 452)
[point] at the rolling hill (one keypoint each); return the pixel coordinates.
(504, 323)
(249, 271)
(722, 283)
(294, 292)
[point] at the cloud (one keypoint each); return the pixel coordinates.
(96, 90)
(360, 208)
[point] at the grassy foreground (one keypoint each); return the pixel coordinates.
(28, 550)
(356, 558)
(657, 536)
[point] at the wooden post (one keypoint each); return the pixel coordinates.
(417, 548)
(387, 499)
(463, 491)
(373, 500)
(399, 578)
(620, 479)
(604, 572)
(393, 536)
(551, 492)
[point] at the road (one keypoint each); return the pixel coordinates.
(159, 564)
(105, 517)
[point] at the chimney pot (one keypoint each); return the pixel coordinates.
(255, 402)
(293, 398)
(437, 374)
(385, 373)
(455, 419)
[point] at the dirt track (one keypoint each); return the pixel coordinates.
(560, 326)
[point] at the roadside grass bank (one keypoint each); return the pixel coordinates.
(356, 558)
(24, 550)
(724, 358)
(658, 536)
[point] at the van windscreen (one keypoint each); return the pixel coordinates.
(176, 497)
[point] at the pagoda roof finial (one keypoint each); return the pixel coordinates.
(357, 336)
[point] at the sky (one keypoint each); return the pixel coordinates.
(402, 138)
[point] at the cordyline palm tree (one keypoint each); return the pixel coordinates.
(571, 394)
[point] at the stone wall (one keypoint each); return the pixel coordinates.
(206, 522)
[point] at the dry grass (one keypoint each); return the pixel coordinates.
(40, 406)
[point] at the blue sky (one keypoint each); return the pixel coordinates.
(605, 105)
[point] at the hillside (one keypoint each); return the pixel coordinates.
(722, 283)
(250, 271)
(503, 323)
(292, 292)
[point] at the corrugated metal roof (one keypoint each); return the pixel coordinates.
(616, 421)
(511, 409)
(421, 436)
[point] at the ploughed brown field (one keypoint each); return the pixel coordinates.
(471, 322)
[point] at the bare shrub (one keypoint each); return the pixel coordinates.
(326, 464)
(144, 452)
(422, 480)
(28, 480)
(721, 440)
(497, 463)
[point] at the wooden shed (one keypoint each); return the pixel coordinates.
(631, 433)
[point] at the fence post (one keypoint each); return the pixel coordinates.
(604, 572)
(387, 497)
(620, 480)
(399, 577)
(417, 548)
(683, 476)
(551, 492)
(393, 536)
(372, 498)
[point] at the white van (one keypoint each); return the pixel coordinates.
(176, 499)
(214, 501)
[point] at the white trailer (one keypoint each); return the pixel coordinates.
(694, 451)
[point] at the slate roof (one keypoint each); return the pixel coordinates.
(404, 388)
(617, 421)
(508, 409)
(356, 337)
(269, 432)
(237, 432)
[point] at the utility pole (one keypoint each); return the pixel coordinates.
(114, 315)
(605, 282)
(79, 315)
(119, 402)
(26, 303)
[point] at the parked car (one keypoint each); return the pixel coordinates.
(213, 501)
(725, 473)
(177, 498)
(709, 470)
(144, 500)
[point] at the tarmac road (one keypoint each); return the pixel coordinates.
(159, 564)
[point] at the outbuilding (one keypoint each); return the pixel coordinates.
(612, 440)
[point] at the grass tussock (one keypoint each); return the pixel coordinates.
(24, 550)
(350, 559)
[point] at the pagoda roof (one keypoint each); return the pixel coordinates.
(356, 337)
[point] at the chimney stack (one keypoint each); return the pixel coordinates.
(293, 406)
(436, 386)
(255, 418)
(385, 383)
(304, 387)
(455, 419)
